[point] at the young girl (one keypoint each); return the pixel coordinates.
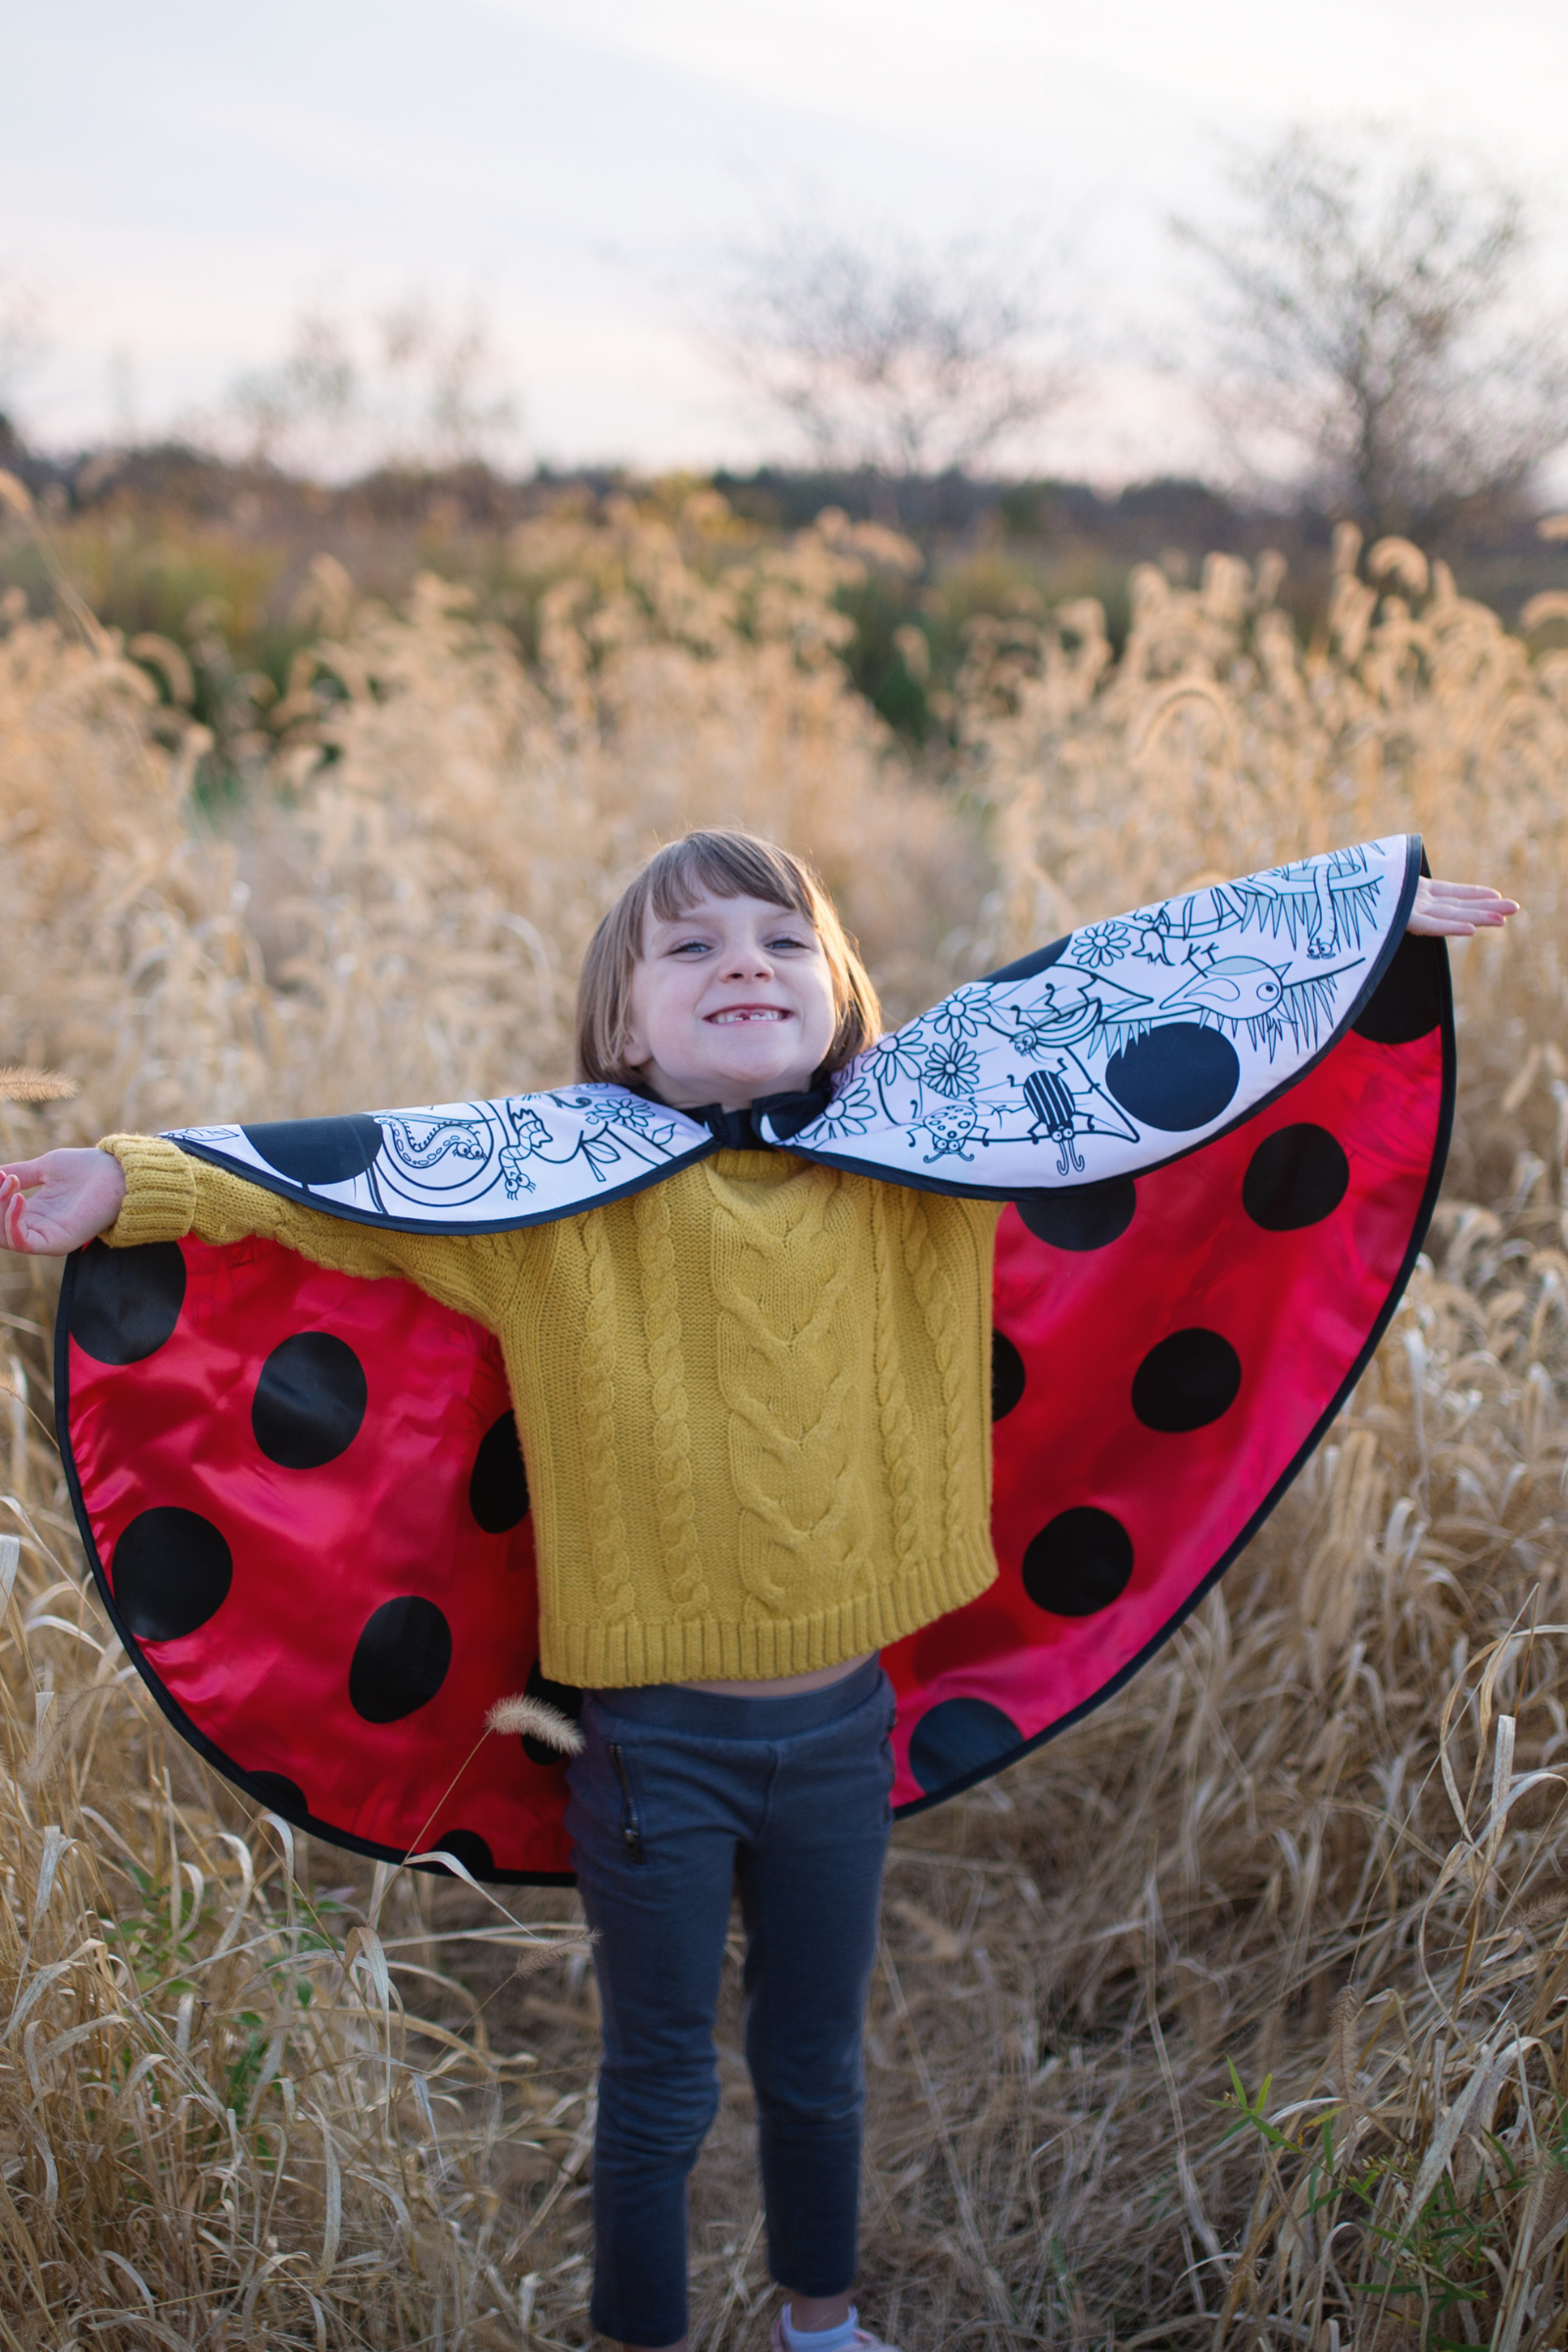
(755, 1393)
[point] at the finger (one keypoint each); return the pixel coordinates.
(1471, 895)
(1432, 924)
(1456, 911)
(17, 1225)
(27, 1172)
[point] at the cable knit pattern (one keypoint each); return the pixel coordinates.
(672, 1426)
(786, 1370)
(613, 1589)
(892, 1395)
(753, 1399)
(938, 1308)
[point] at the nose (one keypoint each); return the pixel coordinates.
(749, 963)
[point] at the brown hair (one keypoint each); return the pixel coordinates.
(729, 866)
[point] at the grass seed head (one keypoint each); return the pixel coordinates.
(535, 1719)
(19, 1084)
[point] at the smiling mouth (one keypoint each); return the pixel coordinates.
(747, 1012)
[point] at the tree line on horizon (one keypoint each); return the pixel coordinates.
(1364, 328)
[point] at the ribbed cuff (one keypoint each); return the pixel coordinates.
(159, 1200)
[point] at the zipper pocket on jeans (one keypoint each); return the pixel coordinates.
(632, 1834)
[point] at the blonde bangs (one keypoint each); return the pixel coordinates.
(722, 865)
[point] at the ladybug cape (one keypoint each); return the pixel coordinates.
(1219, 1124)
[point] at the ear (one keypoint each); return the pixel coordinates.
(632, 1048)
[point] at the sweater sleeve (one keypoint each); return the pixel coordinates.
(168, 1194)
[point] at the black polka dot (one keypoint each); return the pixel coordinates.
(309, 1400)
(1079, 1563)
(1026, 967)
(467, 1847)
(318, 1150)
(125, 1303)
(1188, 1381)
(564, 1698)
(1006, 1376)
(171, 1572)
(1086, 1217)
(1408, 1002)
(959, 1738)
(1297, 1176)
(282, 1795)
(497, 1488)
(400, 1660)
(1177, 1077)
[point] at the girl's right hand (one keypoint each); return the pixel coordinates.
(54, 1204)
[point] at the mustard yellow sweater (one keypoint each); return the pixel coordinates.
(755, 1400)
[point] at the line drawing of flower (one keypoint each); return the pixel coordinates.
(952, 1069)
(893, 1061)
(642, 1118)
(964, 1013)
(1100, 944)
(850, 1113)
(891, 1058)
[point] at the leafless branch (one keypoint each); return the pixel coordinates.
(402, 387)
(24, 319)
(885, 354)
(1370, 322)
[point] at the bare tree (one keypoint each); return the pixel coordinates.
(1372, 325)
(23, 339)
(886, 354)
(405, 387)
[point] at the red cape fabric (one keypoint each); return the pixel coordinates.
(303, 1500)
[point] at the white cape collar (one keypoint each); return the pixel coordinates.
(1116, 1050)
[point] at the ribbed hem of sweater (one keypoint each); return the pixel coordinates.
(608, 1658)
(159, 1200)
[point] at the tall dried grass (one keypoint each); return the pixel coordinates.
(1236, 2015)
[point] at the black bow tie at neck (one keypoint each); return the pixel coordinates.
(742, 1130)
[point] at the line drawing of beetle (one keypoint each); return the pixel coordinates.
(950, 1129)
(1064, 1103)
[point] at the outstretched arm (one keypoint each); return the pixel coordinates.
(156, 1192)
(1458, 909)
(55, 1203)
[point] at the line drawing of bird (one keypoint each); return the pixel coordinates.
(1242, 992)
(1237, 986)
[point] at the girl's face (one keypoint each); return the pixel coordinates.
(731, 1002)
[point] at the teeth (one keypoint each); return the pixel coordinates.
(725, 1019)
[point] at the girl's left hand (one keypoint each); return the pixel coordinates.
(1458, 909)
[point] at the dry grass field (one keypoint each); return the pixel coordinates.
(1233, 2017)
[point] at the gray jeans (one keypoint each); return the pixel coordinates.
(679, 1798)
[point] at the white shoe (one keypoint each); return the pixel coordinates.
(864, 2340)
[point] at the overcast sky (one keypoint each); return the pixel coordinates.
(178, 178)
